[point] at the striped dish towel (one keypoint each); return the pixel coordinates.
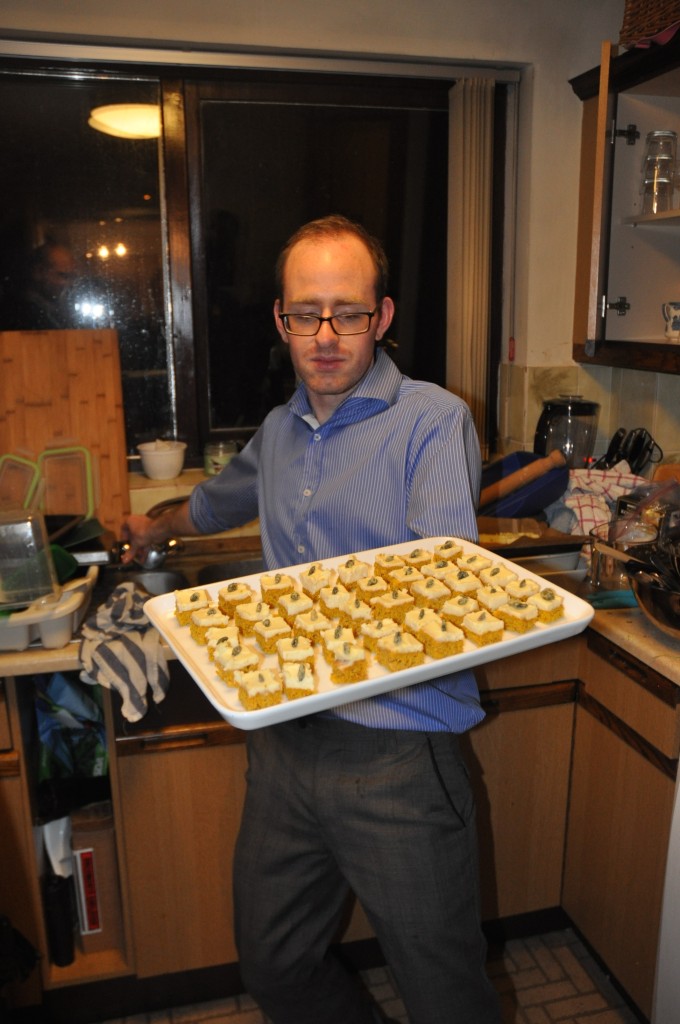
(122, 651)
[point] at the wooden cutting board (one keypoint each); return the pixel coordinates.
(63, 388)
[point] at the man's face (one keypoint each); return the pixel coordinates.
(326, 277)
(58, 274)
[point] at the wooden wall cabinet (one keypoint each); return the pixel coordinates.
(628, 263)
(621, 799)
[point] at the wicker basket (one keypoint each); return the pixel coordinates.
(644, 19)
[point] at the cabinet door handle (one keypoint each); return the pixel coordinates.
(154, 743)
(162, 743)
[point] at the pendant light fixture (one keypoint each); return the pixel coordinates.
(127, 120)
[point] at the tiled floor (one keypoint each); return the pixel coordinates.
(541, 980)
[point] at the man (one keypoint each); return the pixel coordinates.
(41, 304)
(372, 797)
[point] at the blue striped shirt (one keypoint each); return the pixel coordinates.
(398, 460)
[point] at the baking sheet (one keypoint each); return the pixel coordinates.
(224, 698)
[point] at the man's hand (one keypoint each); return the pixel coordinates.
(143, 532)
(137, 531)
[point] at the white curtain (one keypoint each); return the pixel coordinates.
(469, 245)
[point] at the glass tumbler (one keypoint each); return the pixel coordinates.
(658, 171)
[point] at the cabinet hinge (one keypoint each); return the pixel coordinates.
(621, 307)
(630, 133)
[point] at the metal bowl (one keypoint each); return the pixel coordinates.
(660, 605)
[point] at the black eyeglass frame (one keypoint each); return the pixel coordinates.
(283, 317)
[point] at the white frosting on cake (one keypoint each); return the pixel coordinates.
(475, 562)
(459, 605)
(299, 676)
(491, 597)
(239, 657)
(295, 649)
(482, 622)
(462, 581)
(264, 680)
(522, 589)
(497, 576)
(192, 599)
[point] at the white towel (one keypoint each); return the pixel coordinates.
(122, 651)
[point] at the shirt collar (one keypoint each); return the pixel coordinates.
(376, 391)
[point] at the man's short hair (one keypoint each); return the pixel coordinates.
(333, 226)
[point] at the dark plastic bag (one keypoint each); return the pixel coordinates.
(71, 729)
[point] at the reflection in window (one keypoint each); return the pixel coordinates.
(80, 230)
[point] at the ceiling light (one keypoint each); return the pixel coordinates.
(127, 120)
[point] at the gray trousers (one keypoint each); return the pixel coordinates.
(333, 807)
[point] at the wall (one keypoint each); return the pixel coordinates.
(549, 40)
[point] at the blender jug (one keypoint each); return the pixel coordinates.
(568, 423)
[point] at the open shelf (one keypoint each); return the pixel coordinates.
(106, 963)
(665, 219)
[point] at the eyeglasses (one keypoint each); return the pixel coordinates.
(309, 324)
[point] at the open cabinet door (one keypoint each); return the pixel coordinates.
(597, 150)
(627, 258)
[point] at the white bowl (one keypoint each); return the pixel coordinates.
(162, 460)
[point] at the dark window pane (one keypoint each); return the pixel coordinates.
(80, 229)
(266, 168)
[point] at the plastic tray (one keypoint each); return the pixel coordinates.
(194, 657)
(53, 623)
(18, 481)
(67, 475)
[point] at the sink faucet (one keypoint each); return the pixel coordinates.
(155, 556)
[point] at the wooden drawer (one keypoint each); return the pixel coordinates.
(549, 664)
(643, 699)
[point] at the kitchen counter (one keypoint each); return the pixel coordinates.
(630, 629)
(626, 627)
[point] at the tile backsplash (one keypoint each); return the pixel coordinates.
(627, 399)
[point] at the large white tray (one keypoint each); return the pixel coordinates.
(194, 657)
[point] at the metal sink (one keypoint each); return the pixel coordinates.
(159, 581)
(232, 570)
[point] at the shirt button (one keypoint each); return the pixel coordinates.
(306, 492)
(317, 437)
(301, 549)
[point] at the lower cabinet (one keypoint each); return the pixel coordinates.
(574, 771)
(520, 771)
(621, 799)
(519, 759)
(179, 798)
(180, 804)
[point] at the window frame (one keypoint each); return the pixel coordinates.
(174, 70)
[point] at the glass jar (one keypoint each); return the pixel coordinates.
(216, 455)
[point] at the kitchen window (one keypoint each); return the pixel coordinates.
(174, 239)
